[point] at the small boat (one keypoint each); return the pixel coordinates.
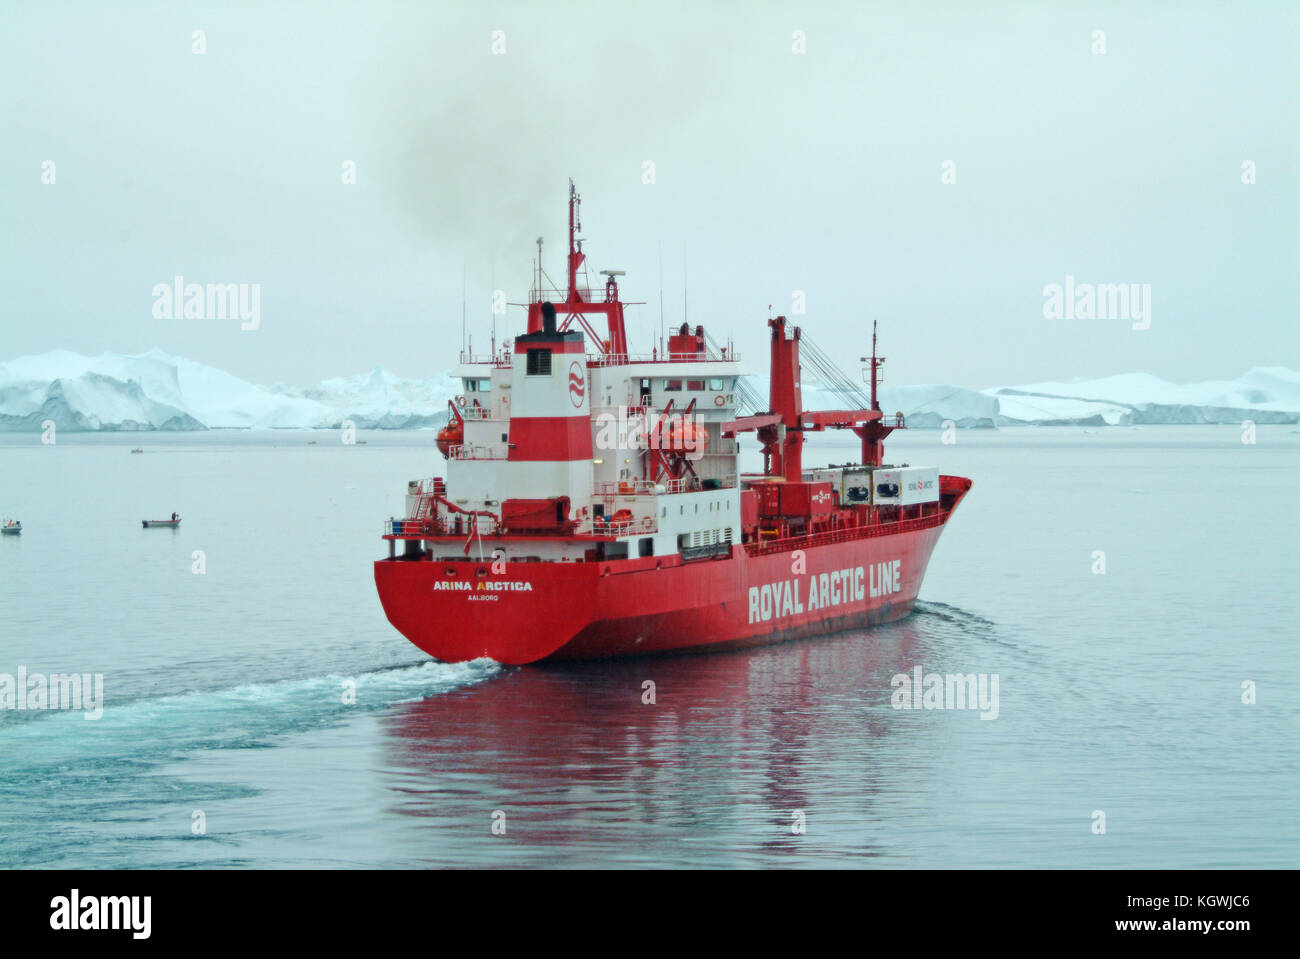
(11, 527)
(137, 450)
(172, 523)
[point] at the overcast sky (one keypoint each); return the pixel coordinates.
(774, 172)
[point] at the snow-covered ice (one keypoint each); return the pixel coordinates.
(157, 391)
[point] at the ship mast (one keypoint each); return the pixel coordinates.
(576, 255)
(614, 344)
(873, 433)
(876, 363)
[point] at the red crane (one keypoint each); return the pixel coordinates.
(781, 429)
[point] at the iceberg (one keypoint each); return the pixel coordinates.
(1263, 394)
(155, 391)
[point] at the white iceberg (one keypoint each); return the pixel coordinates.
(155, 391)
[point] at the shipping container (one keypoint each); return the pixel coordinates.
(769, 498)
(824, 474)
(919, 484)
(535, 514)
(855, 485)
(887, 486)
(807, 499)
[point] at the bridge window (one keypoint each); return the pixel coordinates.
(539, 363)
(697, 385)
(672, 386)
(717, 386)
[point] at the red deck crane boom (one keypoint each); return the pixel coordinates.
(781, 429)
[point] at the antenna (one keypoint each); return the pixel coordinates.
(661, 293)
(576, 256)
(876, 362)
(686, 315)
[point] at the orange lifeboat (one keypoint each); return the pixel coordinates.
(685, 437)
(453, 434)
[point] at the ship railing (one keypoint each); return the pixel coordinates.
(437, 526)
(540, 294)
(502, 360)
(649, 417)
(413, 527)
(468, 451)
(846, 535)
(427, 526)
(641, 487)
(620, 359)
(505, 361)
(434, 484)
(637, 487)
(633, 527)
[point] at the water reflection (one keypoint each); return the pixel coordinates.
(712, 772)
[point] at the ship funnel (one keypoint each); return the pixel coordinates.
(548, 317)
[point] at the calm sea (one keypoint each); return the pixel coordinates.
(226, 739)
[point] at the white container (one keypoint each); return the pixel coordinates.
(918, 484)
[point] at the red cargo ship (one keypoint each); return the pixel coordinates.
(593, 506)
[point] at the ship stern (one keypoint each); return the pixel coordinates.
(513, 613)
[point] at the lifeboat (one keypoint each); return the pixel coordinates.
(453, 434)
(684, 436)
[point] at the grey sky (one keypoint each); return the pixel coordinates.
(775, 172)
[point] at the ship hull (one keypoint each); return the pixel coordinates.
(528, 612)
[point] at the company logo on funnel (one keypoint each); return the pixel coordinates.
(577, 384)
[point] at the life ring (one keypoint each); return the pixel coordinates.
(719, 400)
(647, 523)
(460, 402)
